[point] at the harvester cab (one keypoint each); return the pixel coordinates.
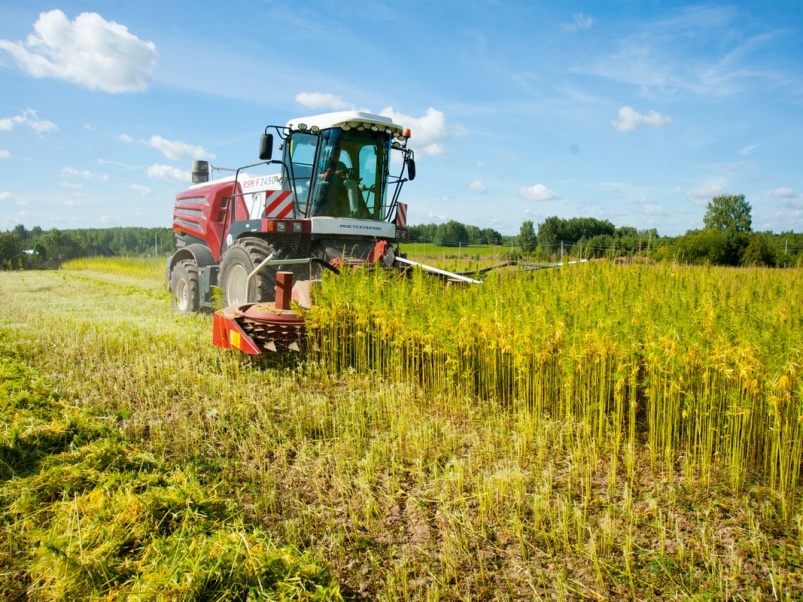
(263, 234)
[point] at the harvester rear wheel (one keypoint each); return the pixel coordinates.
(185, 296)
(184, 287)
(238, 262)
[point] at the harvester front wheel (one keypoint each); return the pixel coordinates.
(184, 286)
(238, 262)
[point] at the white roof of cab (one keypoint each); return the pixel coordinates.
(330, 120)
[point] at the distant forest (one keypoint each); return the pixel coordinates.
(37, 248)
(725, 239)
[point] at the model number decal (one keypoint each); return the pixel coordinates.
(261, 182)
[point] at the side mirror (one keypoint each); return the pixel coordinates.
(266, 147)
(410, 169)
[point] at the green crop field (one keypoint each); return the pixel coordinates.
(595, 431)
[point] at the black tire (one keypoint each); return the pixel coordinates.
(239, 261)
(184, 287)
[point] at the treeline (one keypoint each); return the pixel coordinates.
(21, 248)
(725, 239)
(589, 238)
(452, 234)
(584, 236)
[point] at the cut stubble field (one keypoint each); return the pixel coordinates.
(595, 431)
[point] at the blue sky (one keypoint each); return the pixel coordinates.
(635, 112)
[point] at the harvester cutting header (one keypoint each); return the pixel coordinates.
(262, 239)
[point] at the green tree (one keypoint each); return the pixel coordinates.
(711, 246)
(759, 252)
(728, 213)
(549, 233)
(527, 237)
(451, 233)
(491, 236)
(21, 232)
(10, 251)
(61, 246)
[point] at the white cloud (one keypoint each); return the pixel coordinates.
(748, 149)
(322, 101)
(434, 150)
(167, 172)
(176, 150)
(29, 118)
(580, 21)
(702, 194)
(72, 185)
(630, 120)
(428, 132)
(478, 186)
(538, 192)
(70, 172)
(736, 167)
(783, 193)
(89, 51)
(126, 138)
(141, 189)
(4, 196)
(4, 154)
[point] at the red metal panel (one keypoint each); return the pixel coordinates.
(226, 333)
(284, 290)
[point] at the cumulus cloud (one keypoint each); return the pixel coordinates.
(322, 101)
(4, 154)
(176, 150)
(71, 172)
(702, 194)
(630, 120)
(168, 172)
(428, 131)
(88, 51)
(434, 150)
(4, 195)
(28, 118)
(538, 192)
(783, 193)
(141, 189)
(478, 186)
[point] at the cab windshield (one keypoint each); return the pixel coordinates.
(349, 177)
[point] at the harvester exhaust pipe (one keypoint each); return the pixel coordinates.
(200, 172)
